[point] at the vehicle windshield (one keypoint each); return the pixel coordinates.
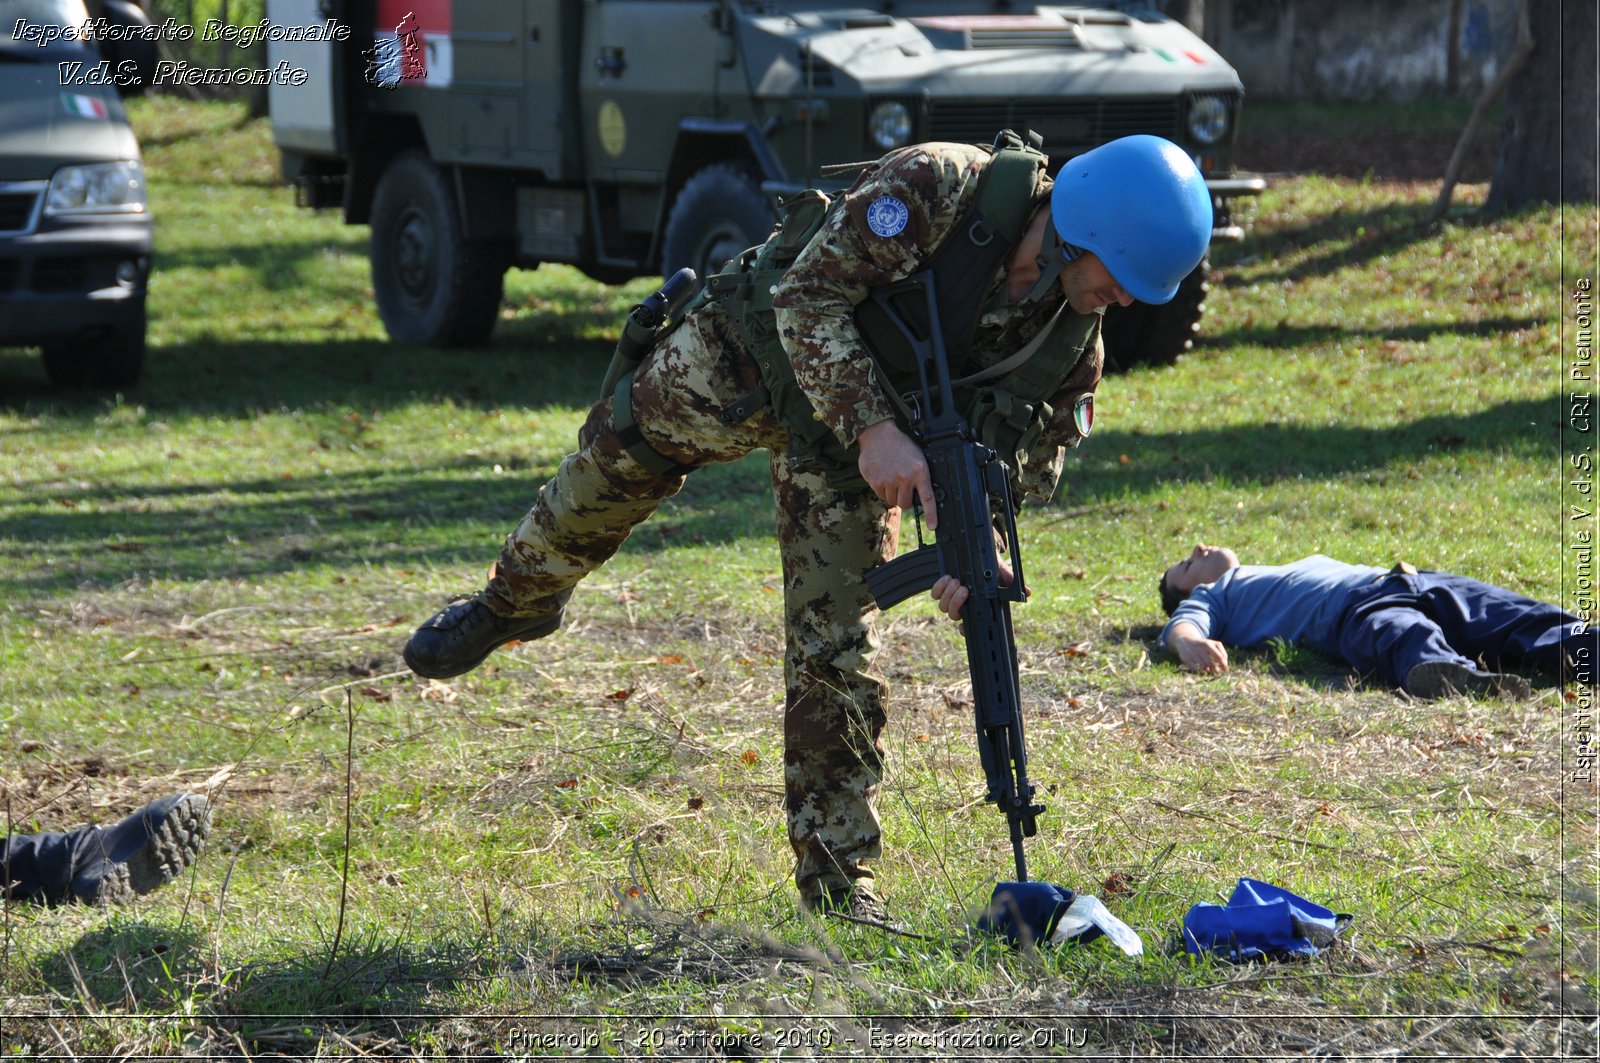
(41, 29)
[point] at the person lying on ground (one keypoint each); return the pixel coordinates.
(1430, 633)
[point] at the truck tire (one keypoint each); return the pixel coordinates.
(433, 286)
(720, 212)
(110, 361)
(1142, 334)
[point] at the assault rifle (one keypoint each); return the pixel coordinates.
(972, 491)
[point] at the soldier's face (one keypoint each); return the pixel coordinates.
(1086, 281)
(1089, 285)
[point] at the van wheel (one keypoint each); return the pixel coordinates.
(433, 286)
(720, 212)
(1141, 334)
(111, 361)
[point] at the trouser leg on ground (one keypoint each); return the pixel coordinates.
(1498, 627)
(1414, 633)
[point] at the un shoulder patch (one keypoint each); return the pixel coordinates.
(887, 216)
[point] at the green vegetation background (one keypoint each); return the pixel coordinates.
(206, 582)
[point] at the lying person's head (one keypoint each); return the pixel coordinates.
(1205, 564)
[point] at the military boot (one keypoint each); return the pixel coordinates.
(148, 849)
(1438, 679)
(854, 903)
(458, 637)
(109, 865)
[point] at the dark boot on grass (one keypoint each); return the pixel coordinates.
(109, 865)
(1438, 679)
(460, 636)
(855, 903)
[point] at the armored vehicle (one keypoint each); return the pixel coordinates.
(632, 137)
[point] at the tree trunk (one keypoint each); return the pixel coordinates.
(1547, 141)
(1191, 13)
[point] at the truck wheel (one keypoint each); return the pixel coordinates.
(1141, 334)
(433, 286)
(111, 361)
(719, 213)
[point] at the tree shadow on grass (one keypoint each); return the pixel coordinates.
(454, 512)
(105, 534)
(241, 379)
(1283, 336)
(282, 1006)
(1269, 453)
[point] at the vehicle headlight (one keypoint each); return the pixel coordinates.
(889, 125)
(101, 188)
(1208, 119)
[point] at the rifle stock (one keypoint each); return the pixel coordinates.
(972, 491)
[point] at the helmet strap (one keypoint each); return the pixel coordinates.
(1055, 254)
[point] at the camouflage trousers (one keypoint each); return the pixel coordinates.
(834, 703)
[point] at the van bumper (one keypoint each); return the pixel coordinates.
(74, 282)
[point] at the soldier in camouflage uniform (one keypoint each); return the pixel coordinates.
(829, 533)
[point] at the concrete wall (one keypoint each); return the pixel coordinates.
(1358, 49)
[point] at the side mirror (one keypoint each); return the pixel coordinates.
(132, 58)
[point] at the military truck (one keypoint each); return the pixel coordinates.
(632, 137)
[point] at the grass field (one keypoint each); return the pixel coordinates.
(579, 847)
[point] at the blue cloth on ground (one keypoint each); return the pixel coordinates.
(1260, 921)
(1025, 911)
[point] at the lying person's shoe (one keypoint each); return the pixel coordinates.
(458, 637)
(112, 865)
(1438, 679)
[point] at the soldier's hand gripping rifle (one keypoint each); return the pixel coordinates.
(972, 490)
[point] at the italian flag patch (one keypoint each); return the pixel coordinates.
(84, 106)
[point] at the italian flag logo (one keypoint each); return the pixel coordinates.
(84, 106)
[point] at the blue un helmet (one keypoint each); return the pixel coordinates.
(1140, 204)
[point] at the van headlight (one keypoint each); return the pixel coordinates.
(1208, 119)
(889, 125)
(100, 188)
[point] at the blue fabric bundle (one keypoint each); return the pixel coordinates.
(1261, 921)
(1025, 911)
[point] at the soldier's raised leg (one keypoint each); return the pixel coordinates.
(598, 495)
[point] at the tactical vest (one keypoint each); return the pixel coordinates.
(1006, 405)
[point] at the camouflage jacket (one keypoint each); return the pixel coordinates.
(892, 219)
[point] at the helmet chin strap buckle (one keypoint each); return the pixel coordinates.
(1054, 256)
